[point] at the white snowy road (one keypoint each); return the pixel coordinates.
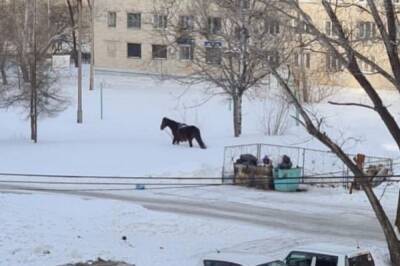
(344, 223)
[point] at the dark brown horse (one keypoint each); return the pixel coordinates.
(183, 132)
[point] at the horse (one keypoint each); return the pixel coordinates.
(182, 132)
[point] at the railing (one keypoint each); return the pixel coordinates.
(314, 163)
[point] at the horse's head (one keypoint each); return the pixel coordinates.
(163, 123)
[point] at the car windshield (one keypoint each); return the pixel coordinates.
(299, 259)
(305, 259)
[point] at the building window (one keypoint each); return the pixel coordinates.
(306, 59)
(213, 55)
(134, 20)
(302, 27)
(186, 22)
(333, 63)
(112, 19)
(272, 27)
(160, 21)
(214, 25)
(185, 52)
(330, 29)
(366, 30)
(242, 3)
(134, 50)
(159, 51)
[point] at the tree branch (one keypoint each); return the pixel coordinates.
(353, 104)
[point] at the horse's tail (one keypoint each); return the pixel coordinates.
(199, 140)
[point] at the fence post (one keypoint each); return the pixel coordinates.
(259, 152)
(391, 165)
(223, 166)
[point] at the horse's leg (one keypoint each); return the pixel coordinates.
(190, 142)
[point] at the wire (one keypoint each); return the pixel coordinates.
(180, 178)
(107, 177)
(104, 189)
(98, 183)
(163, 188)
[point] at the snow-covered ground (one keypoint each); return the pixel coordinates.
(43, 229)
(129, 141)
(51, 229)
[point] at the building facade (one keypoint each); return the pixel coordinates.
(129, 37)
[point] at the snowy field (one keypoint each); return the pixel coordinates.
(50, 229)
(129, 141)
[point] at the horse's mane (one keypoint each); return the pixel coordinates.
(170, 120)
(171, 123)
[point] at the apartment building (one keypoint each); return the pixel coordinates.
(129, 38)
(365, 39)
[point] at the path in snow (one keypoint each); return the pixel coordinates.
(339, 224)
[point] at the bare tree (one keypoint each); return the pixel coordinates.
(314, 128)
(276, 114)
(346, 47)
(5, 29)
(397, 223)
(30, 44)
(227, 43)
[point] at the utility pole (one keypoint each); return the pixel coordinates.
(91, 4)
(80, 112)
(33, 111)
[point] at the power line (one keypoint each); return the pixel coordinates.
(107, 177)
(241, 181)
(165, 187)
(313, 176)
(106, 189)
(97, 183)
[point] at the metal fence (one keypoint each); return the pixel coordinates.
(314, 163)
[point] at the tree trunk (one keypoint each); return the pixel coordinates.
(25, 72)
(398, 215)
(71, 14)
(387, 227)
(3, 74)
(237, 115)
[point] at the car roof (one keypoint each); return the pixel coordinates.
(245, 259)
(332, 249)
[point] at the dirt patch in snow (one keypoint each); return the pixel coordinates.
(100, 262)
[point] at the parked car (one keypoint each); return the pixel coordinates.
(238, 259)
(329, 255)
